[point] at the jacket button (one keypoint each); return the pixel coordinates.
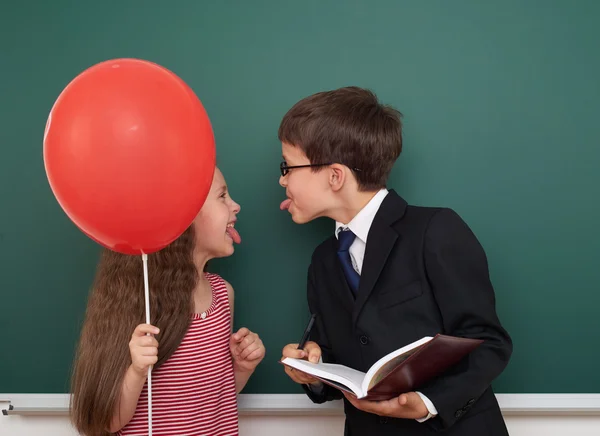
(458, 414)
(364, 340)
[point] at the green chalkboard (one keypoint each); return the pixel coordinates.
(501, 102)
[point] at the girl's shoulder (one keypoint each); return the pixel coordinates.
(213, 277)
(217, 282)
(219, 288)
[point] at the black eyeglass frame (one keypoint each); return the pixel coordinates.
(285, 169)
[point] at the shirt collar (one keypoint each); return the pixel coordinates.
(361, 223)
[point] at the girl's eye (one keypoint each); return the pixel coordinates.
(224, 194)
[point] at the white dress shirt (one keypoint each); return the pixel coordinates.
(360, 226)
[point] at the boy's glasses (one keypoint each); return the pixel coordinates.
(285, 168)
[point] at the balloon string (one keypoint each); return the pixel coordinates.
(147, 300)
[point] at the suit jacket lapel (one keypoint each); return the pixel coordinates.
(382, 238)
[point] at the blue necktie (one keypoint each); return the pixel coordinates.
(345, 240)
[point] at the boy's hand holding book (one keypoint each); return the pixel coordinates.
(408, 406)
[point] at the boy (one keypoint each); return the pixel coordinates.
(390, 274)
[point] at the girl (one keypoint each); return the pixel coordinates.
(198, 365)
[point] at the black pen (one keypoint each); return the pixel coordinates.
(307, 332)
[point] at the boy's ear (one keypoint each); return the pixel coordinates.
(337, 177)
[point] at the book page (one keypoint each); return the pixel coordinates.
(387, 363)
(351, 378)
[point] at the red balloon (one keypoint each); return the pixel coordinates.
(129, 152)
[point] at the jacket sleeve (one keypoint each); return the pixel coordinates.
(457, 270)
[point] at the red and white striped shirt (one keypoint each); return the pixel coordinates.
(193, 392)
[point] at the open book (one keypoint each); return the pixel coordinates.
(400, 371)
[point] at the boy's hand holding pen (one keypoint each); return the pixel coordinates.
(306, 349)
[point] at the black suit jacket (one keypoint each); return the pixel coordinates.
(424, 272)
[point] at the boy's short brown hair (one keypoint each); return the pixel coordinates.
(347, 126)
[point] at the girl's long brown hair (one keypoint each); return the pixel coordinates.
(115, 308)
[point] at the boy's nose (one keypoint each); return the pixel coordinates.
(282, 181)
(236, 208)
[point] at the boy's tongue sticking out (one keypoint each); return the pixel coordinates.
(285, 204)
